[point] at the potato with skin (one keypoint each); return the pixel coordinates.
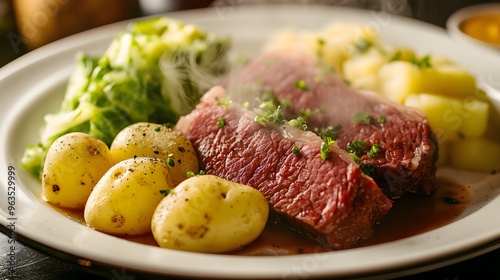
(74, 164)
(123, 201)
(206, 213)
(154, 140)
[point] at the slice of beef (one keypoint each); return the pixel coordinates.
(408, 148)
(330, 200)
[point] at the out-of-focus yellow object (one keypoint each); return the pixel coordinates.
(43, 21)
(484, 27)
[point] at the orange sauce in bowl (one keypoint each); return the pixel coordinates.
(485, 27)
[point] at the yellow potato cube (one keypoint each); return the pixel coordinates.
(482, 155)
(447, 79)
(398, 80)
(452, 118)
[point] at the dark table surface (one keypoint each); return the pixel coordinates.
(34, 261)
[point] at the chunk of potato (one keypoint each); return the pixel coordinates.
(401, 78)
(74, 164)
(447, 79)
(482, 155)
(208, 214)
(124, 200)
(154, 140)
(361, 70)
(452, 118)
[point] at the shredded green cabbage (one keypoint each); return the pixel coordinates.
(155, 71)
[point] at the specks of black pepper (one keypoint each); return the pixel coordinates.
(181, 149)
(82, 183)
(130, 170)
(180, 226)
(450, 200)
(135, 156)
(55, 189)
(144, 134)
(186, 199)
(179, 161)
(223, 195)
(156, 152)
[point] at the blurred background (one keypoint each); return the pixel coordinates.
(29, 24)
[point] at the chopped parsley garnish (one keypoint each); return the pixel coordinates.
(382, 119)
(362, 117)
(190, 174)
(362, 45)
(224, 101)
(329, 131)
(301, 84)
(299, 122)
(221, 122)
(165, 192)
(295, 150)
(270, 116)
(424, 62)
(158, 128)
(374, 150)
(356, 146)
(368, 169)
(325, 147)
(170, 162)
(397, 56)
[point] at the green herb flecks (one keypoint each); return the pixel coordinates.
(165, 192)
(295, 150)
(423, 62)
(329, 131)
(223, 101)
(374, 150)
(382, 119)
(368, 169)
(356, 146)
(325, 147)
(221, 122)
(171, 162)
(298, 122)
(364, 117)
(362, 46)
(302, 85)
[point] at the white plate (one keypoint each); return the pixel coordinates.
(34, 84)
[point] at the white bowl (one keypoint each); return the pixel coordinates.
(457, 18)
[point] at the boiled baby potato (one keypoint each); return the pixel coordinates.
(209, 214)
(481, 155)
(124, 200)
(74, 164)
(154, 140)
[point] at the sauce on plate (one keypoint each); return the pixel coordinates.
(410, 215)
(484, 27)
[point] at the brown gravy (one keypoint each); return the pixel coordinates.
(410, 215)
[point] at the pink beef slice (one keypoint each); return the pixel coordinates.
(330, 200)
(406, 161)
